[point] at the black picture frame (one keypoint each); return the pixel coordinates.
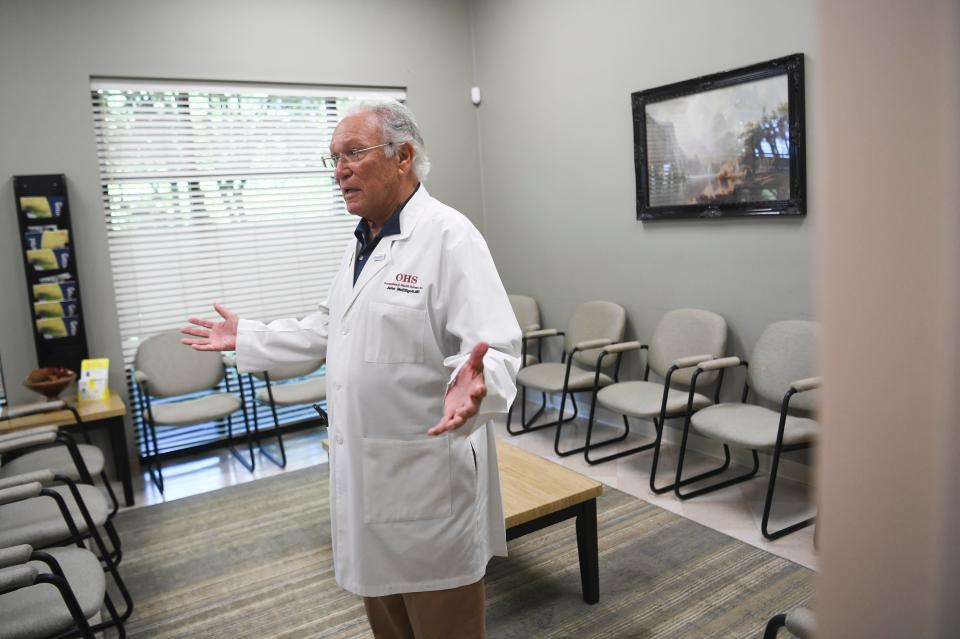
(753, 144)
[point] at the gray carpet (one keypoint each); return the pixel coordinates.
(254, 561)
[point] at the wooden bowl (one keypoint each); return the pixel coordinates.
(49, 381)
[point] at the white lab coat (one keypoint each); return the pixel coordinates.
(409, 512)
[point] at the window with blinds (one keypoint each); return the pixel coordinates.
(217, 193)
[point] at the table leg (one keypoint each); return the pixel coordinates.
(587, 551)
(121, 463)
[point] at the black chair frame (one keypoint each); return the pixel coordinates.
(57, 578)
(64, 438)
(153, 457)
(658, 424)
(778, 449)
(279, 461)
(109, 563)
(527, 426)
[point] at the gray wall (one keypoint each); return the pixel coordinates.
(557, 155)
(49, 50)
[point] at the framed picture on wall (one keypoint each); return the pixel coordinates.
(726, 144)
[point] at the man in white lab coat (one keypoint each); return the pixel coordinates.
(422, 351)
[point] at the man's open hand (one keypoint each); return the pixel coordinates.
(464, 396)
(212, 336)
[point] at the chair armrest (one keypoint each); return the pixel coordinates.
(14, 577)
(530, 328)
(19, 493)
(33, 409)
(720, 362)
(230, 361)
(543, 332)
(623, 347)
(35, 439)
(809, 383)
(44, 476)
(140, 377)
(14, 555)
(590, 343)
(27, 432)
(692, 360)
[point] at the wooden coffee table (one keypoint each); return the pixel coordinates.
(538, 493)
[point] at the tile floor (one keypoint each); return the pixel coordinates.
(735, 511)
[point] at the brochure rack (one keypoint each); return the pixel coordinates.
(50, 263)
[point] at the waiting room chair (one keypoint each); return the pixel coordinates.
(43, 516)
(165, 368)
(799, 622)
(527, 311)
(682, 339)
(780, 371)
(308, 391)
(53, 448)
(593, 326)
(54, 593)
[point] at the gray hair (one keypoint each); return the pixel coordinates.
(398, 126)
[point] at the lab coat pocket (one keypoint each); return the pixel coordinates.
(395, 334)
(406, 480)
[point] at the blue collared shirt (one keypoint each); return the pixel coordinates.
(366, 245)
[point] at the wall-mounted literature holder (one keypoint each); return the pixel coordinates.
(50, 263)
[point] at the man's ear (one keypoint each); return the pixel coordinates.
(405, 157)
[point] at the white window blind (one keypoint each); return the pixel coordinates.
(216, 192)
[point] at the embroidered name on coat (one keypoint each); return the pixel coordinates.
(404, 283)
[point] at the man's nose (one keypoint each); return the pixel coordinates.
(340, 172)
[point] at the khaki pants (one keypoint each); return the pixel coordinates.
(436, 614)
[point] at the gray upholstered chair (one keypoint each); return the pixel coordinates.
(50, 447)
(307, 391)
(781, 372)
(593, 326)
(682, 339)
(527, 312)
(799, 622)
(165, 368)
(42, 516)
(54, 593)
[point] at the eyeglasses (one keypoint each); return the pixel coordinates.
(350, 157)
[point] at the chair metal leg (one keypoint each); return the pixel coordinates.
(527, 425)
(679, 482)
(588, 446)
(250, 463)
(282, 460)
(153, 461)
(764, 525)
(659, 490)
(109, 565)
(774, 625)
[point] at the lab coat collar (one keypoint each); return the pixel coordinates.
(380, 257)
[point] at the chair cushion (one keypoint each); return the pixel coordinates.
(305, 392)
(57, 459)
(38, 522)
(548, 377)
(751, 426)
(801, 622)
(195, 411)
(644, 399)
(39, 610)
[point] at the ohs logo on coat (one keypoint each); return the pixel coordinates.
(404, 283)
